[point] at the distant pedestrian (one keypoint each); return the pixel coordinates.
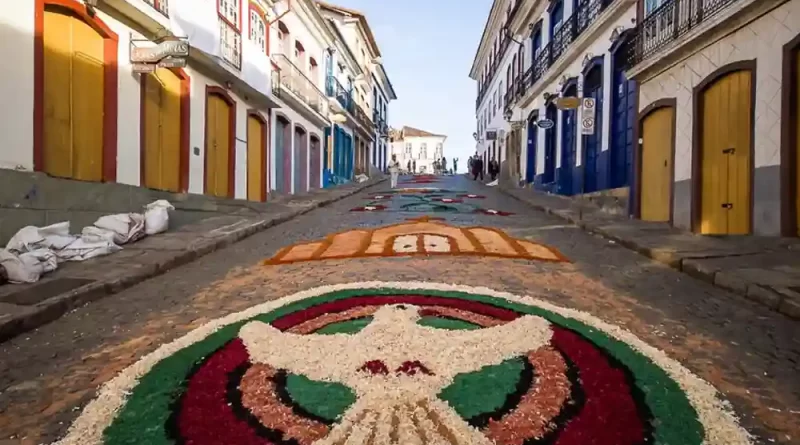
(394, 170)
(494, 168)
(408, 166)
(455, 165)
(477, 168)
(443, 165)
(414, 166)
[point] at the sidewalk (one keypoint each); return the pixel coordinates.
(762, 269)
(26, 307)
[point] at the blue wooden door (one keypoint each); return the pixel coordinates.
(533, 137)
(280, 135)
(624, 117)
(593, 143)
(567, 151)
(550, 146)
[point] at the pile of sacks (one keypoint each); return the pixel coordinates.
(34, 251)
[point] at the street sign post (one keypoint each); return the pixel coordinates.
(588, 116)
(545, 124)
(567, 103)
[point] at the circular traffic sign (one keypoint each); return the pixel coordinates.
(588, 122)
(588, 102)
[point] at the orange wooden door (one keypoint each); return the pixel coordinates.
(73, 97)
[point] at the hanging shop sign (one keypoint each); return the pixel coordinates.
(153, 54)
(545, 124)
(491, 135)
(567, 103)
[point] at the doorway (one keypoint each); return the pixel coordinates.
(724, 105)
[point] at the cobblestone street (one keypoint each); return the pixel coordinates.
(747, 352)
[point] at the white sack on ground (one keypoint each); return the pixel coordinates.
(55, 237)
(92, 234)
(127, 227)
(362, 178)
(82, 250)
(156, 217)
(493, 183)
(28, 267)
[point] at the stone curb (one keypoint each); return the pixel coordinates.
(774, 299)
(53, 308)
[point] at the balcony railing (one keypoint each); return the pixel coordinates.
(668, 22)
(362, 117)
(335, 89)
(380, 124)
(585, 14)
(293, 79)
(498, 58)
(230, 43)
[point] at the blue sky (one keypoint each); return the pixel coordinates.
(427, 48)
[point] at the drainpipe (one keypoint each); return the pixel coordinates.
(288, 10)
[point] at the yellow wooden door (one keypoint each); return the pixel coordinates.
(725, 155)
(73, 98)
(218, 146)
(162, 157)
(656, 177)
(255, 159)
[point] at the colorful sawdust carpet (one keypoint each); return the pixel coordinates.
(407, 363)
(420, 236)
(419, 179)
(426, 200)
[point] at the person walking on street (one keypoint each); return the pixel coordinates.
(455, 165)
(477, 168)
(494, 168)
(443, 165)
(414, 167)
(394, 170)
(408, 167)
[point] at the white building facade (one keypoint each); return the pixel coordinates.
(656, 73)
(559, 49)
(248, 113)
(416, 150)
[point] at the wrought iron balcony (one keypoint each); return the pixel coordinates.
(668, 22)
(584, 15)
(380, 124)
(498, 57)
(333, 88)
(291, 78)
(362, 117)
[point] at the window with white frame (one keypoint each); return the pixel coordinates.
(408, 150)
(423, 151)
(258, 30)
(230, 44)
(230, 10)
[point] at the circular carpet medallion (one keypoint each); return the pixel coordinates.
(408, 363)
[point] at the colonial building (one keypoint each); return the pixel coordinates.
(718, 115)
(691, 106)
(365, 96)
(243, 115)
(416, 150)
